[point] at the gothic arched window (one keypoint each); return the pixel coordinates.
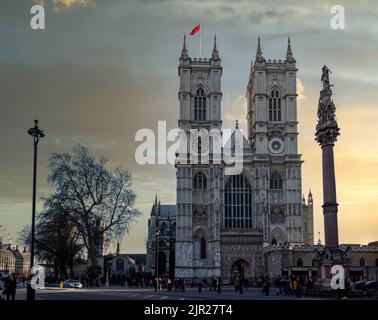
(200, 104)
(238, 203)
(362, 262)
(275, 106)
(173, 230)
(199, 181)
(163, 229)
(299, 262)
(203, 248)
(275, 181)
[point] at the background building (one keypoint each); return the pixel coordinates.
(163, 220)
(13, 260)
(300, 260)
(124, 264)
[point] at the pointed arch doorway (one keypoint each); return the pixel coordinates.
(241, 268)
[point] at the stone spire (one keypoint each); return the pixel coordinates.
(303, 199)
(215, 53)
(184, 51)
(118, 249)
(154, 207)
(289, 52)
(237, 124)
(310, 198)
(259, 55)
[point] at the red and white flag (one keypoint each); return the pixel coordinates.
(195, 29)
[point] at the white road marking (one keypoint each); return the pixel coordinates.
(181, 298)
(162, 298)
(134, 295)
(149, 296)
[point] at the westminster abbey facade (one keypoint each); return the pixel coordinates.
(223, 222)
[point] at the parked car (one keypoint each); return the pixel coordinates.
(360, 285)
(72, 283)
(371, 285)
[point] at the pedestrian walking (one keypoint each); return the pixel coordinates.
(297, 287)
(10, 287)
(219, 285)
(236, 283)
(241, 287)
(214, 284)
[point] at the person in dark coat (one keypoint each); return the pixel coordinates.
(10, 287)
(214, 284)
(241, 286)
(200, 286)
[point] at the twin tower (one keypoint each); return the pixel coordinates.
(223, 222)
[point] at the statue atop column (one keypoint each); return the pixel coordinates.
(327, 129)
(325, 77)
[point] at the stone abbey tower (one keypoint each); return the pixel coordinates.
(224, 221)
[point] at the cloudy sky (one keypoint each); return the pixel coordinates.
(103, 69)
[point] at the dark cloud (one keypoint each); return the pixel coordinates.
(271, 14)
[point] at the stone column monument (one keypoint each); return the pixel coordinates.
(326, 134)
(327, 131)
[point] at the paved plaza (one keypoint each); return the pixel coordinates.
(118, 293)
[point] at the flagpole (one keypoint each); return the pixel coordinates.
(200, 40)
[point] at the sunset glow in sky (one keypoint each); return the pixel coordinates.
(103, 69)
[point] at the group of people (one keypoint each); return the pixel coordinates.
(8, 287)
(294, 285)
(176, 284)
(240, 284)
(214, 284)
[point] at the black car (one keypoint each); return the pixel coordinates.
(370, 285)
(360, 285)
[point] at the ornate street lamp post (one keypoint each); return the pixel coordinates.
(37, 134)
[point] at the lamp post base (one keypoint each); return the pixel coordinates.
(30, 293)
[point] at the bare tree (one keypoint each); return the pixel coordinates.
(98, 200)
(57, 239)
